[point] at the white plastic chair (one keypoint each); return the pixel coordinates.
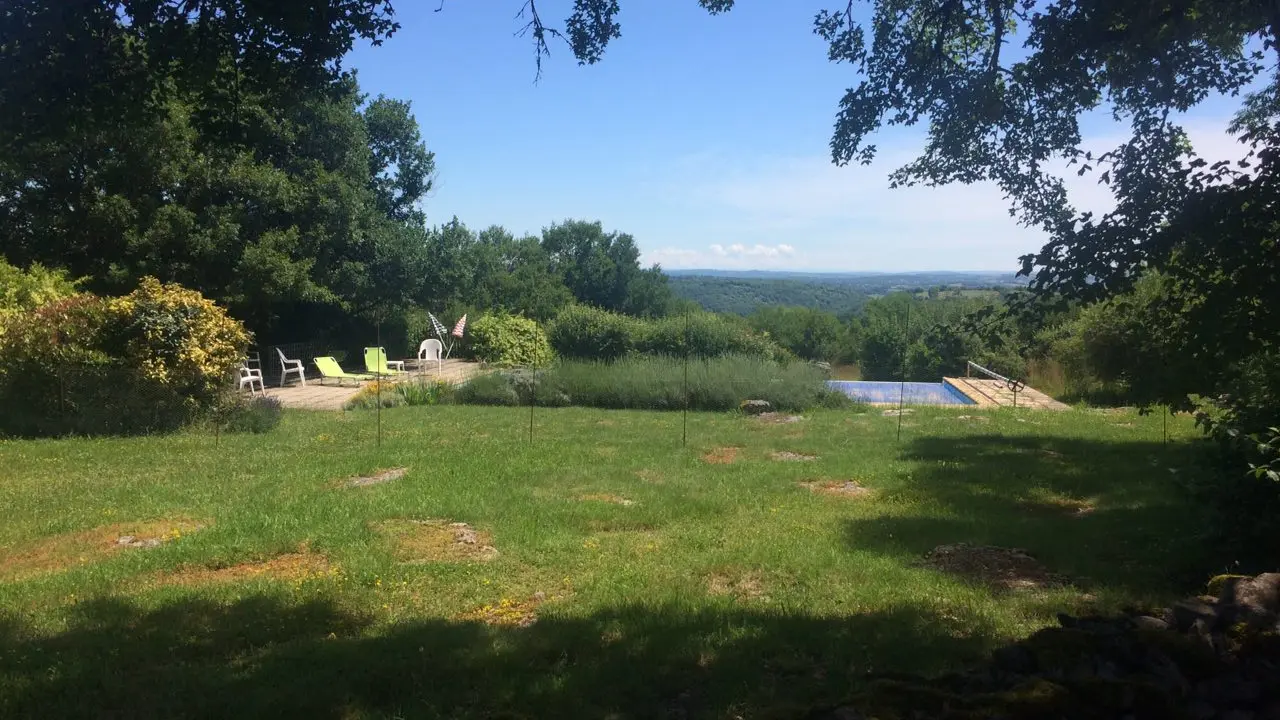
(430, 349)
(249, 376)
(288, 366)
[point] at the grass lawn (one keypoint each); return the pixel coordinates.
(605, 572)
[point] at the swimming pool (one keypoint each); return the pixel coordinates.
(913, 393)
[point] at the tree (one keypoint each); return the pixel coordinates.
(810, 334)
(214, 143)
(400, 166)
(603, 269)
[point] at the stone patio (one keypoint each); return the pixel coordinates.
(332, 396)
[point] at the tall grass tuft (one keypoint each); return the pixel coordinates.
(399, 394)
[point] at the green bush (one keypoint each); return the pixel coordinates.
(149, 361)
(489, 389)
(509, 340)
(657, 383)
(251, 414)
(584, 333)
(809, 334)
(580, 331)
(24, 290)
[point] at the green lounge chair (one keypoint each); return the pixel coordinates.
(375, 362)
(331, 370)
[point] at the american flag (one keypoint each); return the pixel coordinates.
(462, 325)
(440, 331)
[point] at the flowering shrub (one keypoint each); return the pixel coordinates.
(147, 361)
(175, 337)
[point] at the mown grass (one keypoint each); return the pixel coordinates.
(721, 590)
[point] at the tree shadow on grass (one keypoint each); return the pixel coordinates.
(1115, 515)
(262, 657)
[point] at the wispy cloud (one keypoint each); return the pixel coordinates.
(735, 255)
(734, 211)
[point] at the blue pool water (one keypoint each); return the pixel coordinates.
(913, 393)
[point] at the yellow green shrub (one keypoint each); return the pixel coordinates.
(151, 360)
(176, 337)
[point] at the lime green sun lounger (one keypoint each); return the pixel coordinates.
(331, 370)
(375, 362)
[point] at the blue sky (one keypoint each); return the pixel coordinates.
(704, 137)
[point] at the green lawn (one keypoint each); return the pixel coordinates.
(722, 590)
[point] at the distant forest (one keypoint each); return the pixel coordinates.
(741, 293)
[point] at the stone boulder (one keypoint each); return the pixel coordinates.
(755, 407)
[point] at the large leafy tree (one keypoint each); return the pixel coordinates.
(216, 143)
(603, 268)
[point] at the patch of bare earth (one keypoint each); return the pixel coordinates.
(722, 456)
(787, 456)
(997, 567)
(741, 585)
(506, 612)
(774, 418)
(376, 478)
(58, 552)
(606, 498)
(974, 418)
(846, 488)
(425, 541)
(294, 566)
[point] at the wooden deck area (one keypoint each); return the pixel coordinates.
(332, 396)
(993, 393)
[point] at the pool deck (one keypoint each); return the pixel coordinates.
(333, 396)
(993, 393)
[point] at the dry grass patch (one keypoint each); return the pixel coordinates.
(996, 567)
(787, 456)
(1053, 504)
(376, 478)
(846, 488)
(606, 498)
(295, 567)
(650, 476)
(722, 456)
(426, 541)
(59, 552)
(506, 612)
(741, 585)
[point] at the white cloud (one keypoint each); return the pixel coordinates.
(737, 255)
(753, 212)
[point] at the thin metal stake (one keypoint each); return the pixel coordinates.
(902, 384)
(1165, 415)
(532, 389)
(378, 380)
(684, 433)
